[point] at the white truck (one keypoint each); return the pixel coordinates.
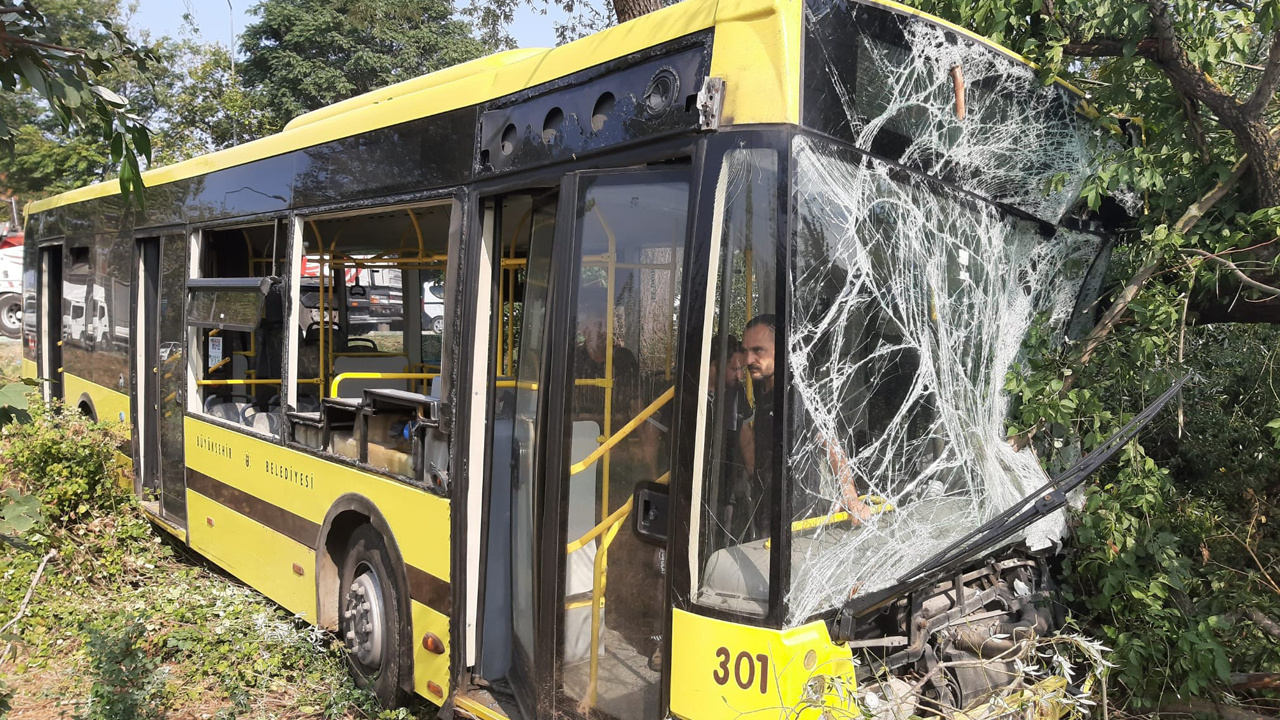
(11, 288)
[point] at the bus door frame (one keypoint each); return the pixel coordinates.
(145, 387)
(541, 695)
(50, 274)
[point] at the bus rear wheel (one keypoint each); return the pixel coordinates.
(369, 618)
(10, 316)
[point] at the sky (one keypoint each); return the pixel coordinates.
(214, 19)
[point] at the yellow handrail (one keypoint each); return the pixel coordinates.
(333, 388)
(876, 504)
(258, 381)
(616, 516)
(626, 430)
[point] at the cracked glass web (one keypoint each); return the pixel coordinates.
(910, 302)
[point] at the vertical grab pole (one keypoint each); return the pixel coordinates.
(320, 258)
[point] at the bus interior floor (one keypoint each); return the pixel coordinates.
(625, 686)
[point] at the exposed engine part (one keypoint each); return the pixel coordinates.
(958, 643)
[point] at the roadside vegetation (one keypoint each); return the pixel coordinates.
(105, 618)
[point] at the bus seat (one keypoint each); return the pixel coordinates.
(583, 514)
(736, 578)
(385, 363)
(345, 444)
(264, 421)
(228, 410)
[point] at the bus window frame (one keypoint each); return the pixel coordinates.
(195, 355)
(682, 544)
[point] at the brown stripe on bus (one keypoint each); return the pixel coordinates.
(423, 586)
(291, 525)
(430, 590)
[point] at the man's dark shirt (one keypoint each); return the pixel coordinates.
(588, 400)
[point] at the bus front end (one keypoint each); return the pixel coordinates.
(856, 542)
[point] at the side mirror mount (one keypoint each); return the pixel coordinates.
(649, 513)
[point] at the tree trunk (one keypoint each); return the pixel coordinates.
(632, 9)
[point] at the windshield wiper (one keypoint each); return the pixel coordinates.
(1049, 498)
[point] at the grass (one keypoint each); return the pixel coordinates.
(126, 622)
(10, 360)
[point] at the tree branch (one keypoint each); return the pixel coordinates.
(26, 600)
(1109, 47)
(11, 39)
(1263, 621)
(1197, 706)
(1255, 681)
(1268, 83)
(1235, 270)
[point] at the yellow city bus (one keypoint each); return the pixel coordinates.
(660, 373)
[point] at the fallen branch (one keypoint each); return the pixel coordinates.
(1263, 621)
(26, 600)
(1198, 706)
(1235, 270)
(1255, 681)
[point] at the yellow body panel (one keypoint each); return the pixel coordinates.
(757, 52)
(428, 666)
(109, 404)
(725, 671)
(29, 369)
(254, 553)
(307, 486)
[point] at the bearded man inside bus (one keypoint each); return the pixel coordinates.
(755, 438)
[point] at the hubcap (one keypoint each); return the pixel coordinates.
(362, 617)
(11, 316)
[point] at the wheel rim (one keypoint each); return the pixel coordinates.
(11, 316)
(362, 613)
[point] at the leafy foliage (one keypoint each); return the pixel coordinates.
(137, 626)
(306, 54)
(126, 682)
(68, 460)
(67, 78)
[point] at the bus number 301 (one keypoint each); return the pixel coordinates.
(745, 670)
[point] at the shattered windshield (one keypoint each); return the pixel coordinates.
(908, 308)
(932, 99)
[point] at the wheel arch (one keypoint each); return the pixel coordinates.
(86, 407)
(347, 513)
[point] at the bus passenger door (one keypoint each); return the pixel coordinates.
(160, 374)
(609, 433)
(50, 321)
(520, 229)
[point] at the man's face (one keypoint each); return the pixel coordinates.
(758, 342)
(733, 369)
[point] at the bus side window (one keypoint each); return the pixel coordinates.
(371, 319)
(236, 313)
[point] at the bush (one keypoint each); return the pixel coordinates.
(67, 460)
(126, 681)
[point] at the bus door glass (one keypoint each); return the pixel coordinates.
(616, 428)
(51, 327)
(161, 373)
(522, 237)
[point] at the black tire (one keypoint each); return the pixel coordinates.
(374, 629)
(10, 313)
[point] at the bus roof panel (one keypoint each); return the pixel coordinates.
(757, 43)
